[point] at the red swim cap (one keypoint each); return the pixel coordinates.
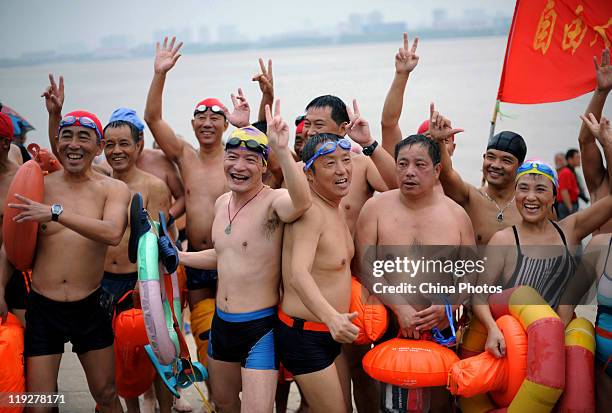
(424, 127)
(209, 103)
(6, 126)
(84, 114)
(300, 128)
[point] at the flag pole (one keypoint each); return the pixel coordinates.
(494, 119)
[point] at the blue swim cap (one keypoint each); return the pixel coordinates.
(127, 115)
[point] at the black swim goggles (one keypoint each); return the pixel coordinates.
(250, 144)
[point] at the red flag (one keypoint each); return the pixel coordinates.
(549, 56)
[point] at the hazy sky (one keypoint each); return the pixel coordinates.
(31, 26)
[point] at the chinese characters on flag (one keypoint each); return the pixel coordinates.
(550, 49)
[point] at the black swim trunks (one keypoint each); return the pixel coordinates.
(50, 324)
(117, 285)
(198, 279)
(245, 338)
(302, 350)
(16, 291)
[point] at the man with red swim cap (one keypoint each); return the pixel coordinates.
(82, 213)
(204, 179)
(13, 290)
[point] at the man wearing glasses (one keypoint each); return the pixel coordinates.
(203, 178)
(82, 213)
(247, 233)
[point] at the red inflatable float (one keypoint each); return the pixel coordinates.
(20, 238)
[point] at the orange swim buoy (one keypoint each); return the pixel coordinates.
(20, 238)
(47, 161)
(134, 372)
(409, 363)
(372, 318)
(12, 377)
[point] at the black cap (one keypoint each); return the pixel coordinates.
(510, 142)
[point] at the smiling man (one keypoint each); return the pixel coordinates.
(82, 213)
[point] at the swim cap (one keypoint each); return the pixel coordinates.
(127, 115)
(539, 168)
(209, 103)
(510, 142)
(6, 126)
(424, 127)
(300, 128)
(83, 114)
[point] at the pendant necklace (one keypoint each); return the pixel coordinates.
(500, 215)
(228, 229)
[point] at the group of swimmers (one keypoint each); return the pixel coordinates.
(274, 235)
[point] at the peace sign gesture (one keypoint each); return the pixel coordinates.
(265, 78)
(601, 130)
(406, 59)
(54, 96)
(358, 128)
(240, 116)
(603, 73)
(166, 55)
(278, 130)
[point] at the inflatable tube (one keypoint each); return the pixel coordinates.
(485, 373)
(372, 318)
(48, 163)
(409, 363)
(20, 238)
(579, 395)
(12, 378)
(134, 373)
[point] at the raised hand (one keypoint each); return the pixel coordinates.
(240, 116)
(603, 73)
(601, 130)
(440, 127)
(406, 59)
(265, 78)
(166, 55)
(31, 210)
(54, 96)
(358, 128)
(278, 130)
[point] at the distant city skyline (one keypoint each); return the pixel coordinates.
(30, 27)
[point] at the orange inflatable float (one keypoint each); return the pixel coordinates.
(12, 377)
(372, 318)
(134, 372)
(48, 163)
(20, 238)
(409, 363)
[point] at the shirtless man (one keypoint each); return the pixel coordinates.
(492, 209)
(427, 217)
(81, 215)
(329, 114)
(203, 177)
(595, 173)
(317, 254)
(247, 233)
(13, 292)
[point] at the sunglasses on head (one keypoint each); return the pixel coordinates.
(326, 149)
(83, 121)
(250, 144)
(214, 109)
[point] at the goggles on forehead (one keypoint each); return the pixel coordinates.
(250, 144)
(83, 121)
(540, 168)
(214, 109)
(326, 149)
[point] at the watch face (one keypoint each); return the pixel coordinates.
(56, 209)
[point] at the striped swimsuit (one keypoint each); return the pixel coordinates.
(548, 276)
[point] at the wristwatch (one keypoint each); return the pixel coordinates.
(369, 150)
(56, 211)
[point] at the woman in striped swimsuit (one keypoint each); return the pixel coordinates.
(537, 252)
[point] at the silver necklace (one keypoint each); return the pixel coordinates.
(500, 211)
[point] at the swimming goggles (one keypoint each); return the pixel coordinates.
(83, 121)
(540, 168)
(326, 149)
(214, 109)
(250, 144)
